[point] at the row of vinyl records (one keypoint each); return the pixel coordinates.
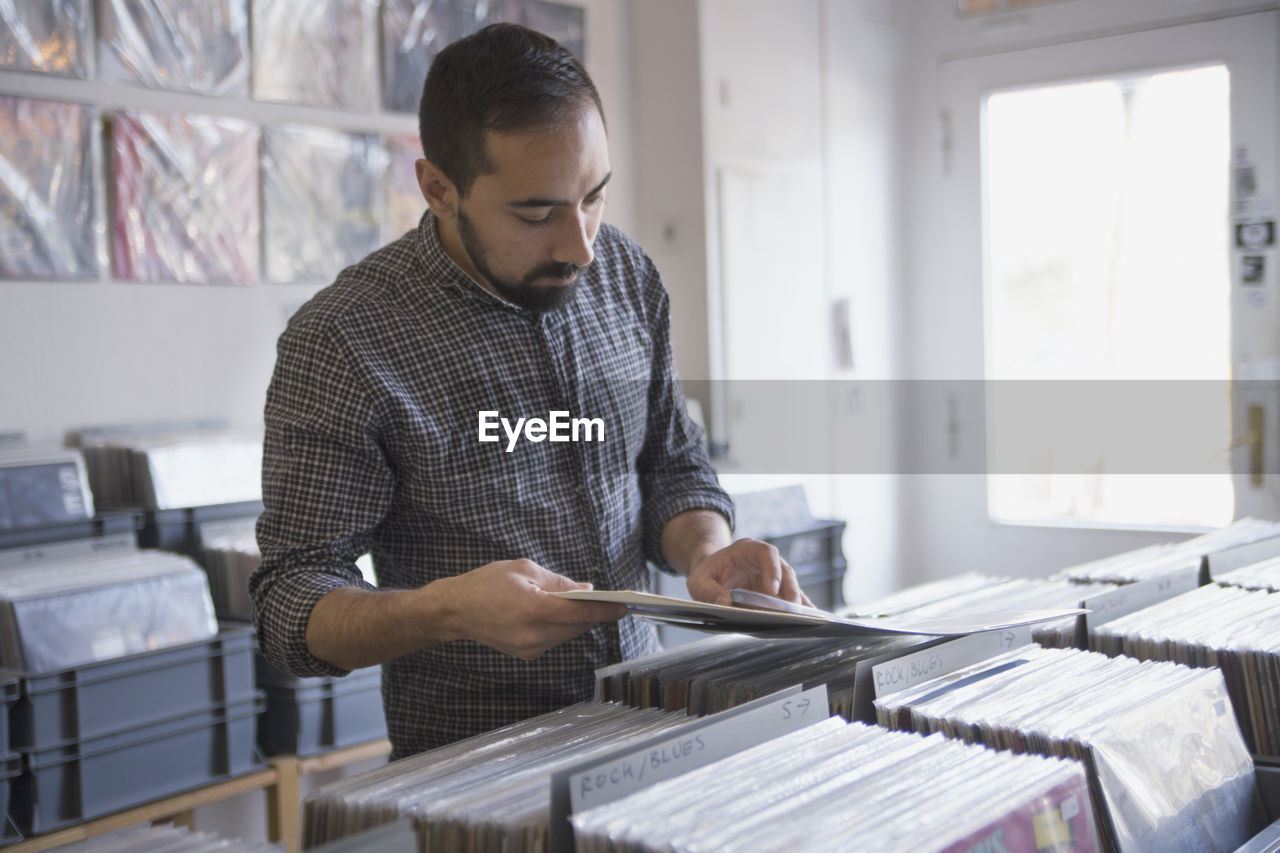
(1150, 750)
(1073, 787)
(806, 789)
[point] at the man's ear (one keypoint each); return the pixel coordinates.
(437, 189)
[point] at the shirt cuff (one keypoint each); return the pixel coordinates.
(282, 620)
(663, 510)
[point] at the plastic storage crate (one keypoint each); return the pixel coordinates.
(85, 779)
(822, 582)
(8, 696)
(1268, 840)
(818, 544)
(106, 524)
(10, 763)
(308, 716)
(94, 700)
(180, 529)
(10, 770)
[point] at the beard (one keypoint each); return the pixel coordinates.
(538, 298)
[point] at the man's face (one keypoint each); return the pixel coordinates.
(529, 226)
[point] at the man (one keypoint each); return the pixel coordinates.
(510, 301)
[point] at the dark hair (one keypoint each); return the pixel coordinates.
(505, 78)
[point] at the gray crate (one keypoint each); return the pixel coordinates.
(822, 582)
(8, 696)
(10, 770)
(1268, 840)
(181, 530)
(330, 713)
(87, 779)
(819, 543)
(98, 699)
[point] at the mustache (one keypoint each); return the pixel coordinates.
(555, 271)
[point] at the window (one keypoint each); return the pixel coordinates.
(1107, 258)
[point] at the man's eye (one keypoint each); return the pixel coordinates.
(595, 200)
(536, 220)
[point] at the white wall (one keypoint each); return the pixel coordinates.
(104, 352)
(864, 65)
(775, 88)
(666, 113)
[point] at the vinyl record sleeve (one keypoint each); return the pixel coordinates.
(186, 199)
(321, 54)
(810, 622)
(175, 44)
(323, 200)
(52, 36)
(48, 223)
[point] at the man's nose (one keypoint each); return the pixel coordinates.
(574, 241)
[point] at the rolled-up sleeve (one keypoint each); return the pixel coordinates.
(325, 486)
(675, 473)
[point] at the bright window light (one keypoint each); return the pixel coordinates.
(1107, 258)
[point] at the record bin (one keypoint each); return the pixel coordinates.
(1268, 776)
(9, 688)
(10, 762)
(10, 771)
(817, 555)
(100, 526)
(85, 779)
(181, 530)
(309, 716)
(96, 699)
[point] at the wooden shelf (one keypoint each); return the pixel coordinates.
(280, 780)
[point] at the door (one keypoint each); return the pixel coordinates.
(1106, 209)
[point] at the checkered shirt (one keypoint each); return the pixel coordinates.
(371, 446)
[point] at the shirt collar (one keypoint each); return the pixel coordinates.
(444, 270)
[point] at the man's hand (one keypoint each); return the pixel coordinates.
(506, 606)
(745, 564)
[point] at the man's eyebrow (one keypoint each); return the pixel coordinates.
(548, 202)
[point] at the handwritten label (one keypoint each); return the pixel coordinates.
(1123, 600)
(67, 550)
(935, 661)
(723, 735)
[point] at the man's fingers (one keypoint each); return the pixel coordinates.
(553, 582)
(770, 575)
(704, 589)
(789, 588)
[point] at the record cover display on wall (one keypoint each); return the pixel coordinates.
(175, 44)
(562, 22)
(323, 195)
(414, 31)
(52, 36)
(321, 54)
(186, 199)
(47, 220)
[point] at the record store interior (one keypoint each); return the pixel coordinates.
(640, 425)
